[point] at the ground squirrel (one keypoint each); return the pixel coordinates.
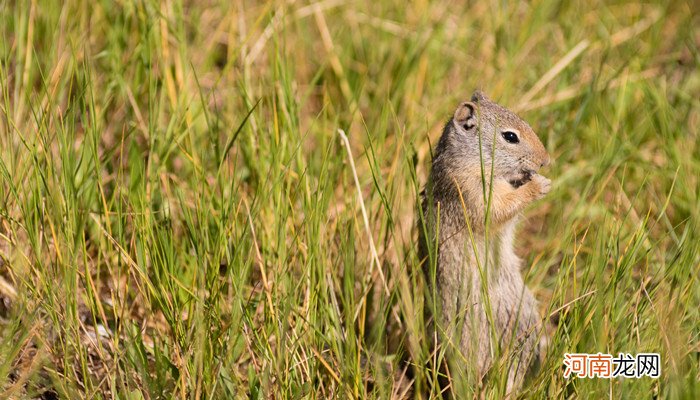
(483, 145)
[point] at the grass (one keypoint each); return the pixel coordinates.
(180, 218)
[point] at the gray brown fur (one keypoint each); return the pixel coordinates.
(456, 190)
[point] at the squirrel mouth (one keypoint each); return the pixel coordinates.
(524, 177)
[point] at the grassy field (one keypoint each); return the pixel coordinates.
(180, 216)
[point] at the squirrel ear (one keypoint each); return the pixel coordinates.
(465, 115)
(478, 96)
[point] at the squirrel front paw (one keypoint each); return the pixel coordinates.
(538, 186)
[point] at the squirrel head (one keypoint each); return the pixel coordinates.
(506, 141)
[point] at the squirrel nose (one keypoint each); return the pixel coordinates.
(545, 162)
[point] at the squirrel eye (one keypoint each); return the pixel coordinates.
(510, 137)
